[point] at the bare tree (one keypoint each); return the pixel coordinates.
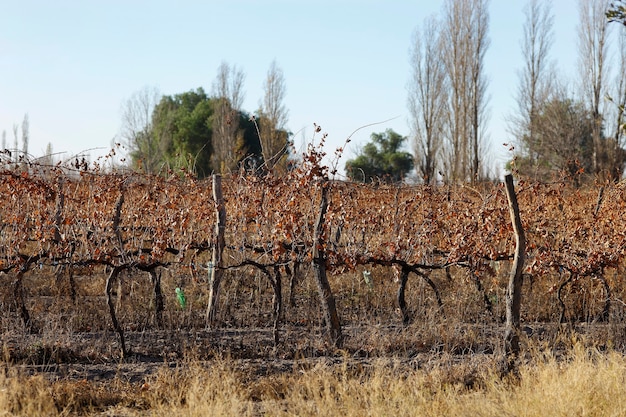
(16, 128)
(592, 50)
(136, 130)
(479, 43)
(562, 128)
(615, 154)
(427, 98)
(4, 140)
(273, 119)
(25, 135)
(464, 44)
(47, 160)
(535, 77)
(455, 60)
(228, 90)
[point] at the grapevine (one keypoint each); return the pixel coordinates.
(68, 217)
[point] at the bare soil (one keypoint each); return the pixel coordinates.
(75, 340)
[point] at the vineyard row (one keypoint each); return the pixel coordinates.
(134, 221)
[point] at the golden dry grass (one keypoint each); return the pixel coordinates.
(581, 382)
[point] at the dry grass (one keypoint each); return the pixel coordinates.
(582, 381)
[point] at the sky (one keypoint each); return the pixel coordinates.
(71, 65)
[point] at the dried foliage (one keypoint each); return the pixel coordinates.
(67, 233)
(87, 218)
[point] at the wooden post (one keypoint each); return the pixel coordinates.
(514, 290)
(219, 242)
(319, 266)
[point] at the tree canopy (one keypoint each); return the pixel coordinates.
(562, 141)
(183, 124)
(381, 159)
(180, 136)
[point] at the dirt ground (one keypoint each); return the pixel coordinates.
(75, 340)
(96, 356)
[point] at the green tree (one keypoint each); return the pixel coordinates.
(179, 135)
(247, 148)
(182, 127)
(381, 159)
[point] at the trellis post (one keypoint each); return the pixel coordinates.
(219, 242)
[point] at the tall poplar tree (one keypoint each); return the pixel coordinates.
(273, 117)
(464, 42)
(427, 99)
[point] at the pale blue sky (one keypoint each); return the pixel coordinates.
(71, 64)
